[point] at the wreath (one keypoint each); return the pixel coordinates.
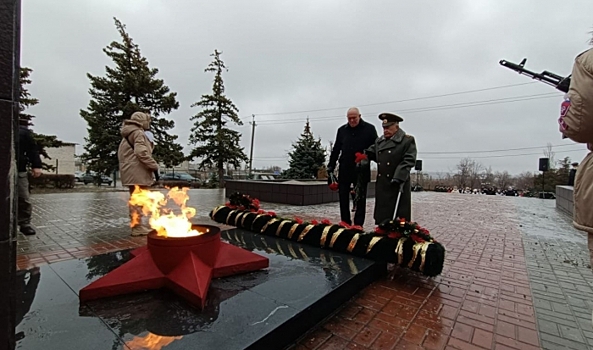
(400, 242)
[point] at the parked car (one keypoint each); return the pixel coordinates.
(179, 177)
(78, 175)
(92, 178)
(547, 195)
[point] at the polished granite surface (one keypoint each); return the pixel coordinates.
(266, 309)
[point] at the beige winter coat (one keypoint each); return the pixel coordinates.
(583, 194)
(136, 165)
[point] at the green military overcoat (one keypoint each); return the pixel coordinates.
(395, 158)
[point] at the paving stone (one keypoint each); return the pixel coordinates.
(553, 318)
(548, 327)
(562, 308)
(563, 342)
(546, 345)
(571, 333)
(542, 304)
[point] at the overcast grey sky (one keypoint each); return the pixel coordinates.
(318, 58)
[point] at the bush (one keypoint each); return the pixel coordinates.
(52, 181)
(180, 184)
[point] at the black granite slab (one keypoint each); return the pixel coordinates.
(267, 309)
(289, 192)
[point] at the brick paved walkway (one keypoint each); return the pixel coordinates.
(467, 307)
(483, 299)
(559, 265)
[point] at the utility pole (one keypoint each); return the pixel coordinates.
(253, 125)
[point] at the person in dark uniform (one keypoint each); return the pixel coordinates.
(355, 136)
(572, 174)
(28, 153)
(395, 154)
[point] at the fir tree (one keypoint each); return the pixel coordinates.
(213, 181)
(215, 143)
(128, 87)
(306, 158)
(26, 101)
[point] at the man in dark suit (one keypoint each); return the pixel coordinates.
(352, 137)
(28, 154)
(395, 154)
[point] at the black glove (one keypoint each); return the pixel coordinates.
(395, 181)
(399, 183)
(363, 163)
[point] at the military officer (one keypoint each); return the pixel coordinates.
(395, 154)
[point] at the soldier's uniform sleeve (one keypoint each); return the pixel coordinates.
(371, 152)
(402, 172)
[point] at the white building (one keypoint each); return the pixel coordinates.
(62, 159)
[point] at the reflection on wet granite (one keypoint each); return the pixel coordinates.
(263, 309)
(49, 316)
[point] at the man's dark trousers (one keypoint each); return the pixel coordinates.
(344, 182)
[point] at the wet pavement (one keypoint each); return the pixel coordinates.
(559, 266)
(517, 275)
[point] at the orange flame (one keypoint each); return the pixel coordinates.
(150, 342)
(164, 220)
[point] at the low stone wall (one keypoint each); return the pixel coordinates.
(289, 192)
(564, 199)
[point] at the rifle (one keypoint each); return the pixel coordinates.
(557, 81)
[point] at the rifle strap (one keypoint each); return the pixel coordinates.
(129, 143)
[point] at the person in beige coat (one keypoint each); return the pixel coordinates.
(583, 194)
(136, 164)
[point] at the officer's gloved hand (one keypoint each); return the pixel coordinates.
(399, 183)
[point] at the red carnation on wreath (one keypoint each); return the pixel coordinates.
(380, 231)
(344, 224)
(255, 203)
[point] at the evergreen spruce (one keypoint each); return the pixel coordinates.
(213, 181)
(26, 101)
(215, 144)
(306, 158)
(128, 87)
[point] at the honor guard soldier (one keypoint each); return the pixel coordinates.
(395, 155)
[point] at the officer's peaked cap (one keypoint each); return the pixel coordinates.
(390, 119)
